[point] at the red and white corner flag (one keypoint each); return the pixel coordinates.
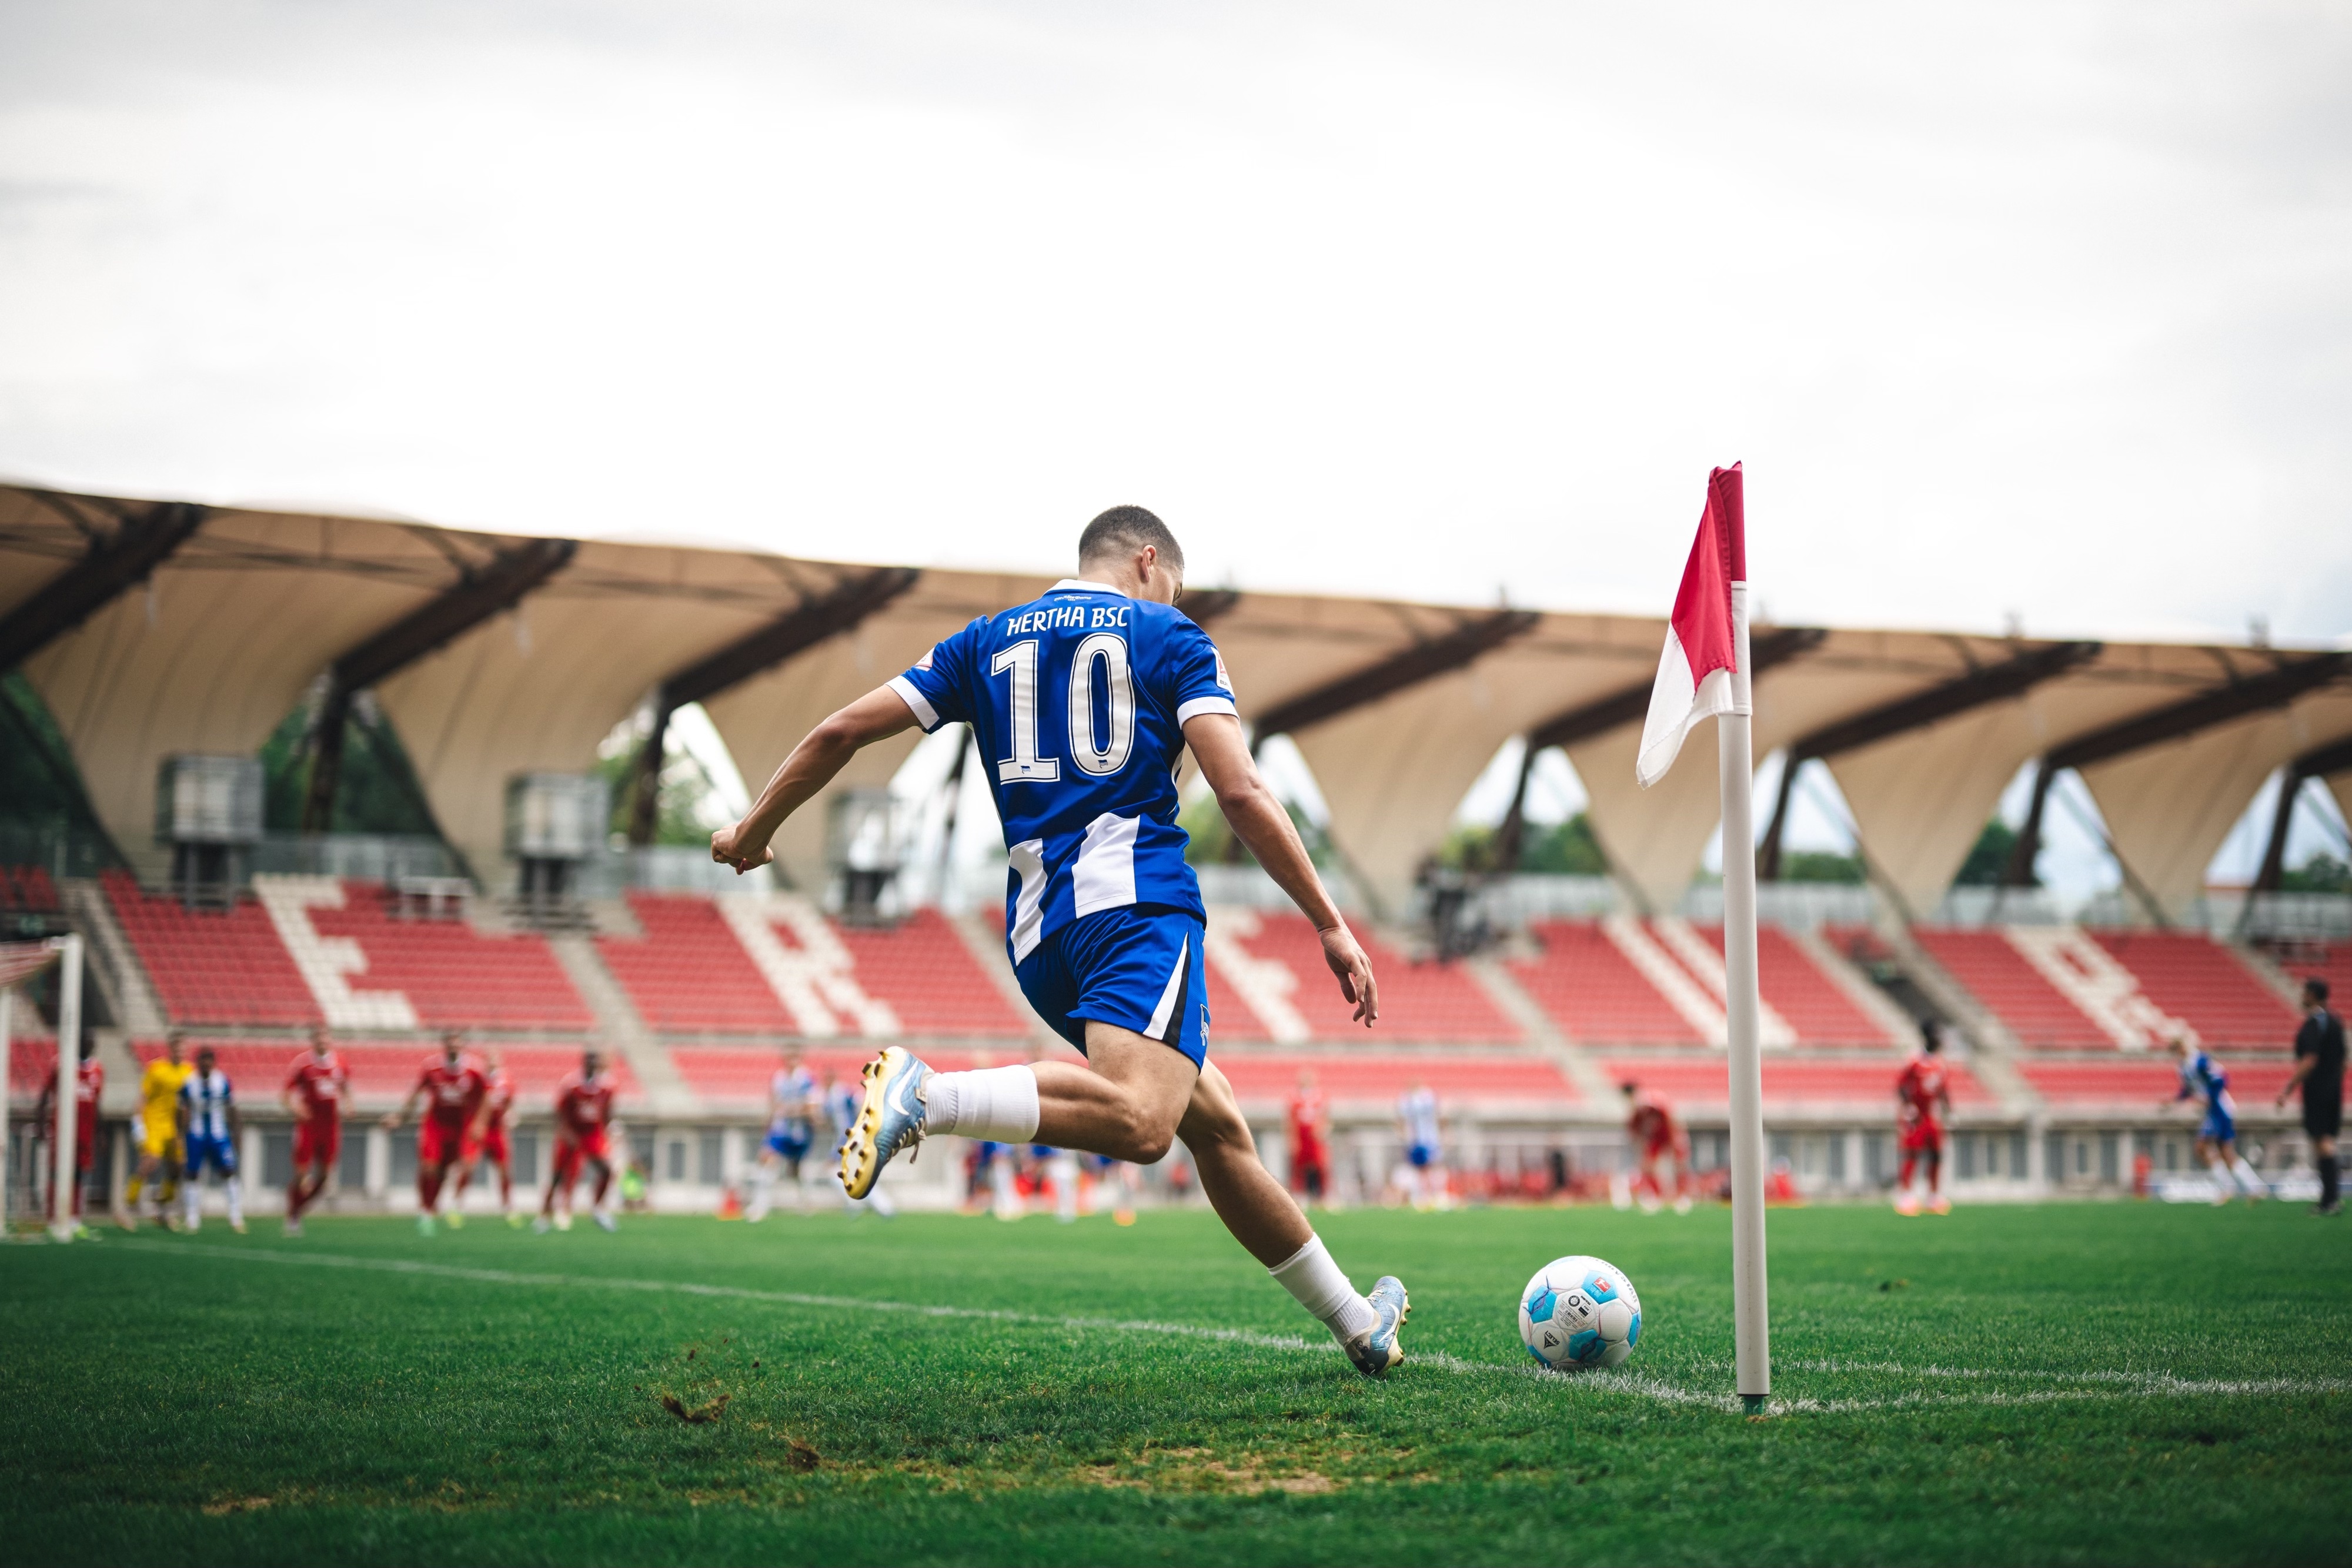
(1702, 636)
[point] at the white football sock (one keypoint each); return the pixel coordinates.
(2248, 1182)
(192, 1193)
(235, 1190)
(1310, 1276)
(995, 1104)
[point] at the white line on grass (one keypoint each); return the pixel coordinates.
(2103, 1386)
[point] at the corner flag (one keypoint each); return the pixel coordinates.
(1706, 636)
(1704, 674)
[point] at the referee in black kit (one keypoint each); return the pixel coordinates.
(2319, 1070)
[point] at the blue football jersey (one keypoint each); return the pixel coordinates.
(1077, 702)
(207, 1099)
(2202, 1078)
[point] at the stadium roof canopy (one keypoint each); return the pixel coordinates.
(152, 629)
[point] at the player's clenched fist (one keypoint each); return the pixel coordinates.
(733, 846)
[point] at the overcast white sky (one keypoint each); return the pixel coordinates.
(2041, 310)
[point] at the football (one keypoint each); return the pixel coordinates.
(1580, 1312)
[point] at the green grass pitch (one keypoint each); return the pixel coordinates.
(2119, 1384)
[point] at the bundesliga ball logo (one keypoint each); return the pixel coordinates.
(1580, 1312)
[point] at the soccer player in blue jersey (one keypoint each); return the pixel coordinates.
(791, 1128)
(2202, 1078)
(209, 1129)
(1082, 704)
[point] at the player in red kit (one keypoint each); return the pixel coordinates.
(583, 1120)
(1922, 1103)
(486, 1139)
(1659, 1143)
(315, 1088)
(453, 1089)
(89, 1079)
(1311, 1140)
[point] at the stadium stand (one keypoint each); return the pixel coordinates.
(1815, 1006)
(1693, 1081)
(1991, 966)
(1270, 984)
(1588, 987)
(28, 890)
(2192, 977)
(2328, 961)
(2137, 1087)
(453, 974)
(213, 967)
(690, 974)
(923, 969)
(1264, 1080)
(382, 1072)
(32, 1067)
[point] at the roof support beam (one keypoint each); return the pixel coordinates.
(2272, 689)
(1764, 651)
(1421, 662)
(1992, 684)
(107, 568)
(2319, 763)
(807, 624)
(490, 589)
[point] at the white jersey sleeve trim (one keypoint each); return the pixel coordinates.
(1187, 712)
(925, 715)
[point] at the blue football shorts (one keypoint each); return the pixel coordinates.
(1136, 966)
(2220, 1125)
(219, 1152)
(790, 1143)
(1421, 1156)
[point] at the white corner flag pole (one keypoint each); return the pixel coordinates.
(1751, 1328)
(61, 1185)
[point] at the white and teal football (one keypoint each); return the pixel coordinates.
(1579, 1312)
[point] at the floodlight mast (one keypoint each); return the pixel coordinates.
(1742, 1009)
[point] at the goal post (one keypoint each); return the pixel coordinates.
(20, 961)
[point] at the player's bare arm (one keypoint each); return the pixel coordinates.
(822, 753)
(392, 1119)
(1262, 824)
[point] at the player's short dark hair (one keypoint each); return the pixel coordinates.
(1628, 1087)
(1931, 1034)
(1129, 528)
(2318, 988)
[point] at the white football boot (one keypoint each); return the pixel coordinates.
(890, 1118)
(1377, 1349)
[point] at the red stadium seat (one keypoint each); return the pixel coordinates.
(1264, 1080)
(454, 975)
(1704, 1081)
(1594, 991)
(2140, 1086)
(689, 975)
(212, 968)
(2200, 980)
(1811, 1003)
(1998, 976)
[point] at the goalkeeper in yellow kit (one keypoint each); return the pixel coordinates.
(159, 1132)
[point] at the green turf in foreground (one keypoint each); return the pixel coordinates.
(2067, 1384)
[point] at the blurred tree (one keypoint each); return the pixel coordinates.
(1989, 858)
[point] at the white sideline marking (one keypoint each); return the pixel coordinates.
(2098, 1386)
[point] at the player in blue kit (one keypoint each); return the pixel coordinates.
(791, 1128)
(2217, 1136)
(1082, 704)
(209, 1129)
